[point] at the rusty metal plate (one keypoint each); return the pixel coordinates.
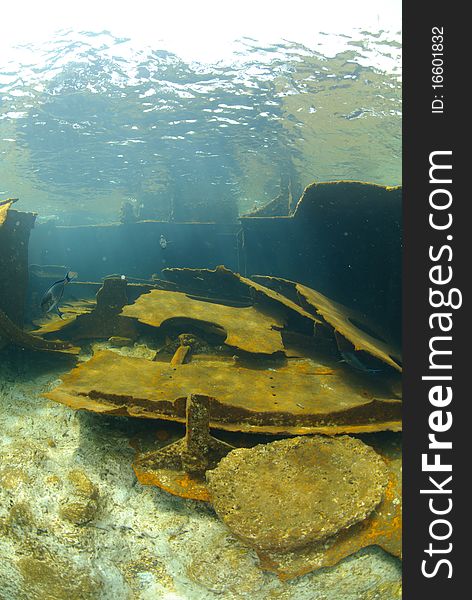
(298, 397)
(349, 323)
(246, 328)
(223, 283)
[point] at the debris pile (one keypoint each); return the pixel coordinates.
(253, 356)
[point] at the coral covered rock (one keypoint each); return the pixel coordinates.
(293, 492)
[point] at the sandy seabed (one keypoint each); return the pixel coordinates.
(75, 523)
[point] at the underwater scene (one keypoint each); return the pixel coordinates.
(200, 316)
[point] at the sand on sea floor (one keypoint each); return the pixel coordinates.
(75, 524)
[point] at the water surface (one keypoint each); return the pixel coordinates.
(88, 120)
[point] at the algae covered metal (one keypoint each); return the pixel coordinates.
(332, 495)
(382, 527)
(293, 394)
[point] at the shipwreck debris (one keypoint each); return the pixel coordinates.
(16, 336)
(179, 468)
(349, 234)
(244, 328)
(182, 353)
(383, 527)
(15, 228)
(102, 320)
(273, 368)
(354, 326)
(223, 283)
(299, 397)
(293, 492)
(4, 207)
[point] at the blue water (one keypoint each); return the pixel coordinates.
(88, 120)
(91, 123)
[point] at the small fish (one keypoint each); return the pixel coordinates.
(52, 297)
(350, 356)
(353, 361)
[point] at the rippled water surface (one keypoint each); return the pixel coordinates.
(89, 120)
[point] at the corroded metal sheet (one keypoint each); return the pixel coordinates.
(246, 328)
(15, 228)
(3, 212)
(297, 398)
(223, 283)
(174, 481)
(353, 326)
(16, 336)
(4, 208)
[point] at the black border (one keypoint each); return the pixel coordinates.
(423, 133)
